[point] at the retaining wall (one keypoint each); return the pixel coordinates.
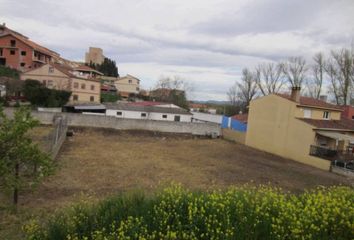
(81, 120)
(239, 137)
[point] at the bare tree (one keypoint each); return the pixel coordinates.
(232, 95)
(172, 89)
(340, 68)
(269, 78)
(295, 71)
(315, 84)
(334, 89)
(247, 87)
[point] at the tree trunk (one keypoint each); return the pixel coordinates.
(17, 172)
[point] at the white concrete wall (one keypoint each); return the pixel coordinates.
(207, 117)
(149, 116)
(83, 120)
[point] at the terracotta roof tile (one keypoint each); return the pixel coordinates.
(146, 103)
(307, 101)
(32, 44)
(85, 68)
(343, 124)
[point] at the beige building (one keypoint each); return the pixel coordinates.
(127, 86)
(94, 55)
(300, 128)
(82, 81)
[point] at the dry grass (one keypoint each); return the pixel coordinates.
(101, 162)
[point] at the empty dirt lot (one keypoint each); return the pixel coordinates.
(100, 162)
(95, 163)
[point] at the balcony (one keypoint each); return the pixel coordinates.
(331, 154)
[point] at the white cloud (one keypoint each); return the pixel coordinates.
(207, 42)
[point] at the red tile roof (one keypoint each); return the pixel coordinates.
(307, 101)
(32, 44)
(241, 117)
(85, 68)
(146, 103)
(343, 124)
(197, 105)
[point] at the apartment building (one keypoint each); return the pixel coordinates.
(82, 81)
(304, 129)
(19, 52)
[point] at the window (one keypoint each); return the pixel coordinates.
(23, 64)
(83, 86)
(92, 87)
(326, 115)
(130, 81)
(164, 116)
(23, 53)
(76, 85)
(50, 83)
(75, 97)
(143, 114)
(137, 89)
(13, 43)
(119, 113)
(307, 113)
(51, 70)
(92, 98)
(12, 52)
(44, 82)
(0, 51)
(177, 118)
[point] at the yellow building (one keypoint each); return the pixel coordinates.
(300, 128)
(82, 81)
(127, 86)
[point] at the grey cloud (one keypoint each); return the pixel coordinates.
(263, 16)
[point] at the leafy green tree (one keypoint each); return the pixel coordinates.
(39, 95)
(22, 164)
(9, 72)
(108, 67)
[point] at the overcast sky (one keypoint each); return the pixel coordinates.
(206, 42)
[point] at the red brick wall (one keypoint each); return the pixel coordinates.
(14, 61)
(348, 112)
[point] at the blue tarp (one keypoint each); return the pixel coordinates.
(233, 124)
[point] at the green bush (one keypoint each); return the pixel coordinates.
(9, 72)
(38, 95)
(109, 97)
(237, 213)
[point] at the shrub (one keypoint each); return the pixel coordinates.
(238, 213)
(110, 97)
(39, 95)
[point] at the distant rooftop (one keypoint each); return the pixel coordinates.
(307, 101)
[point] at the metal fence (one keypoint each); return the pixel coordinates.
(56, 137)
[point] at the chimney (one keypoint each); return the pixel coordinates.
(323, 98)
(295, 94)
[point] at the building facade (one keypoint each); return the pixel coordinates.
(148, 112)
(19, 52)
(127, 86)
(299, 128)
(56, 76)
